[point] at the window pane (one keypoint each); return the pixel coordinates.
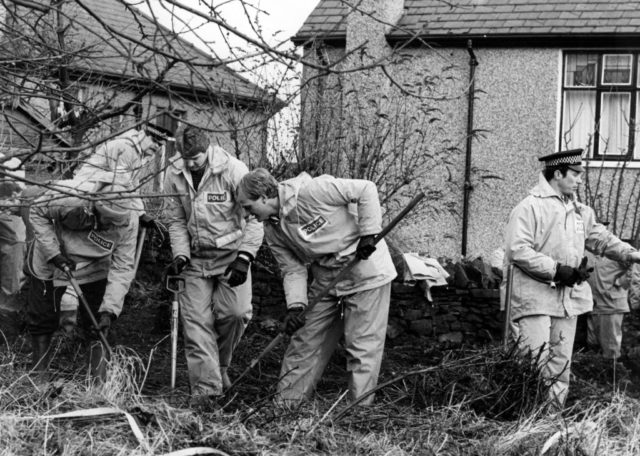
(614, 124)
(578, 119)
(636, 146)
(580, 70)
(617, 69)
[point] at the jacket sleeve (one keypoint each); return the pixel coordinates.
(121, 270)
(111, 163)
(294, 271)
(176, 219)
(634, 287)
(44, 213)
(363, 193)
(519, 241)
(253, 230)
(600, 241)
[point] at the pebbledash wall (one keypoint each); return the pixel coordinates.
(516, 117)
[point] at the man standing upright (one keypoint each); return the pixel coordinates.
(545, 240)
(213, 245)
(610, 283)
(325, 222)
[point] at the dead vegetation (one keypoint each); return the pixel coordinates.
(431, 401)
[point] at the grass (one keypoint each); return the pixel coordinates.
(460, 406)
(431, 401)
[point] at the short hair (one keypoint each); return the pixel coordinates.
(194, 141)
(257, 183)
(549, 172)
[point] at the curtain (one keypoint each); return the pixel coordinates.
(578, 120)
(614, 124)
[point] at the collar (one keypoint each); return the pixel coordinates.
(544, 190)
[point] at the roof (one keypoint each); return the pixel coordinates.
(437, 19)
(117, 40)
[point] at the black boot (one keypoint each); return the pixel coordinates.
(98, 359)
(41, 356)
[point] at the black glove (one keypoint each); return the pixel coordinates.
(104, 322)
(146, 221)
(293, 321)
(584, 271)
(366, 247)
(60, 261)
(237, 270)
(566, 275)
(177, 265)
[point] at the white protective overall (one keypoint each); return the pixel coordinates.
(321, 221)
(209, 227)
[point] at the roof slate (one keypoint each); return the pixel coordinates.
(129, 56)
(439, 18)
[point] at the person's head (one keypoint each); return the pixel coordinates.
(258, 194)
(155, 137)
(195, 144)
(563, 170)
(113, 206)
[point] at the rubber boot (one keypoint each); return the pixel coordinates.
(98, 359)
(41, 356)
(226, 382)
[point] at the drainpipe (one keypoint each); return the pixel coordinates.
(473, 63)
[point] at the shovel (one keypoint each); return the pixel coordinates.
(325, 291)
(175, 284)
(85, 304)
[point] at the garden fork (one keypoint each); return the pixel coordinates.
(175, 284)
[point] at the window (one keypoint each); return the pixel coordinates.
(169, 122)
(600, 96)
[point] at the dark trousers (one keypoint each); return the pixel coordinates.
(43, 306)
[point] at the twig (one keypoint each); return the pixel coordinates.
(313, 428)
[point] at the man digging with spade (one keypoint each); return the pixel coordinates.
(326, 222)
(97, 228)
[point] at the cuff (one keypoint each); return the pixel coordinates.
(245, 256)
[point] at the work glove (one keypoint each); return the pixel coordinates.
(568, 276)
(584, 271)
(237, 270)
(366, 247)
(177, 265)
(146, 221)
(294, 320)
(60, 261)
(104, 322)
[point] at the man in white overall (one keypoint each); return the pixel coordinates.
(325, 222)
(213, 245)
(71, 230)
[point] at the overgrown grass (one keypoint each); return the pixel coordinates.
(480, 402)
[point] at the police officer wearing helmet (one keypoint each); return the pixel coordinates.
(545, 240)
(213, 244)
(91, 230)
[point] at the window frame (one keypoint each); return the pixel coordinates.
(632, 88)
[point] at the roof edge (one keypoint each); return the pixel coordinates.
(619, 40)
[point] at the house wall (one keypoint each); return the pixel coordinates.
(516, 107)
(516, 115)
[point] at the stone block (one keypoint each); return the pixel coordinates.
(451, 337)
(413, 314)
(421, 327)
